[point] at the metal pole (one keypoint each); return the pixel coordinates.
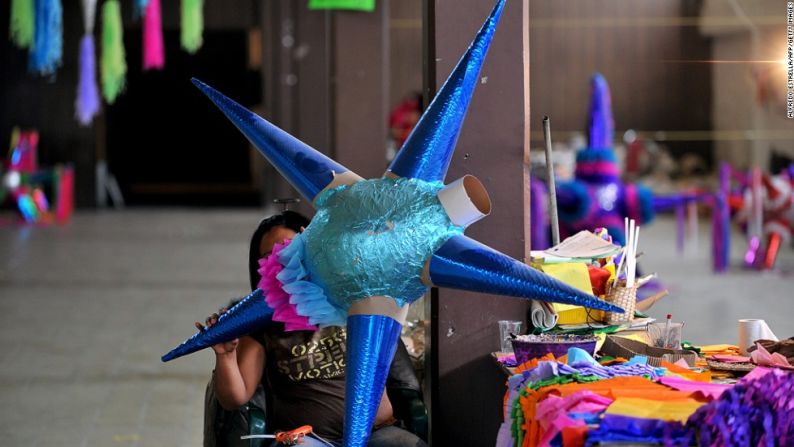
(555, 222)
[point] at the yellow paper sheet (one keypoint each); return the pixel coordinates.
(670, 410)
(719, 349)
(574, 274)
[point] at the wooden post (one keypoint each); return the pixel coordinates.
(468, 387)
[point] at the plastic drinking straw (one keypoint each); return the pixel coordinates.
(630, 251)
(633, 272)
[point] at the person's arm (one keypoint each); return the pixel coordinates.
(385, 414)
(238, 371)
(238, 368)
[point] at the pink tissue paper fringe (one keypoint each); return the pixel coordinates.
(276, 297)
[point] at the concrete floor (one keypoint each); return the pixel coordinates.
(710, 304)
(87, 310)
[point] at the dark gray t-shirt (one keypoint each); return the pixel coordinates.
(306, 375)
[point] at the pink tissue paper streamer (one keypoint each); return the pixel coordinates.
(153, 50)
(275, 296)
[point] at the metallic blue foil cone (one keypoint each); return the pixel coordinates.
(463, 263)
(250, 314)
(372, 340)
(602, 126)
(306, 169)
(427, 152)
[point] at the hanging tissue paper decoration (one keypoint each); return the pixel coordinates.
(114, 66)
(153, 50)
(139, 8)
(357, 5)
(375, 246)
(192, 25)
(86, 104)
(22, 23)
(46, 50)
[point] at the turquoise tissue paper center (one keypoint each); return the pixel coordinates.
(373, 238)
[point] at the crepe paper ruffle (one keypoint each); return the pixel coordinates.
(275, 295)
(533, 363)
(547, 370)
(308, 299)
(753, 412)
(526, 426)
(553, 413)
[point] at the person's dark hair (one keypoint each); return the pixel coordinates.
(419, 98)
(289, 219)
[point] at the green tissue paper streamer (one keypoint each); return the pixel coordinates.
(22, 24)
(192, 25)
(113, 64)
(358, 5)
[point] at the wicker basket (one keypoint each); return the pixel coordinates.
(625, 297)
(528, 347)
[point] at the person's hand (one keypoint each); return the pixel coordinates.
(220, 348)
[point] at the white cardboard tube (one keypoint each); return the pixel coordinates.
(345, 178)
(379, 305)
(465, 200)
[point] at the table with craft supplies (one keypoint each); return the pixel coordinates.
(578, 377)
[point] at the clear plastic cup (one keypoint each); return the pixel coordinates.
(670, 340)
(507, 327)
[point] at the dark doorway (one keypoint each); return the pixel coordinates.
(166, 143)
